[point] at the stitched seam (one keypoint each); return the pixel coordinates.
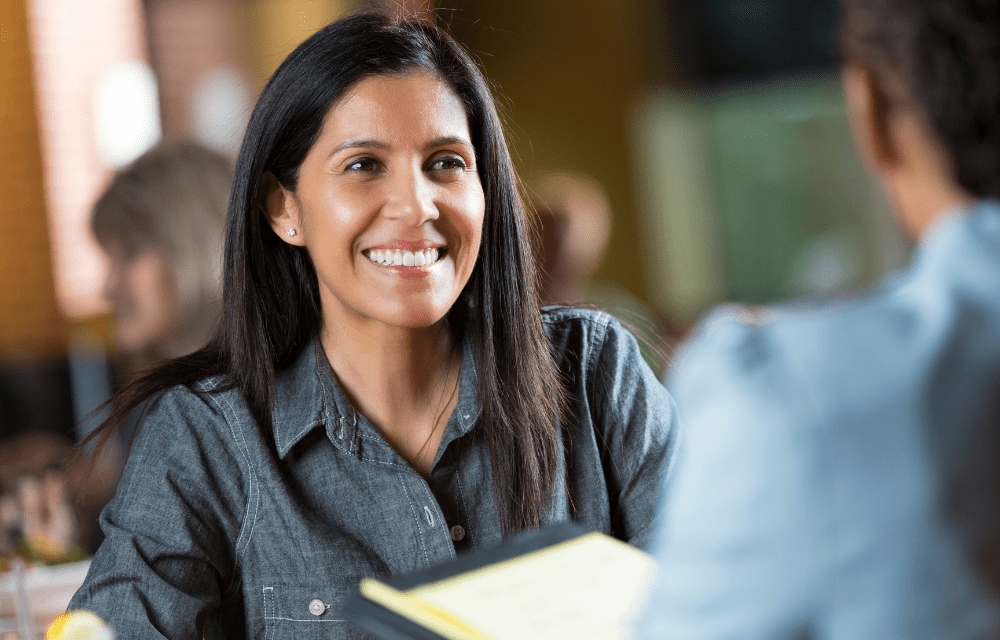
(570, 314)
(299, 619)
(322, 390)
(387, 464)
(595, 356)
(253, 472)
(326, 403)
(420, 535)
(246, 456)
(264, 597)
(354, 431)
(274, 612)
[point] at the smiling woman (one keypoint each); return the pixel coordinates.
(384, 390)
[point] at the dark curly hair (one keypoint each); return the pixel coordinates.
(941, 57)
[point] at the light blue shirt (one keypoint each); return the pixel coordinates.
(838, 467)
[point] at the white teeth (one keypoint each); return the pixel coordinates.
(400, 258)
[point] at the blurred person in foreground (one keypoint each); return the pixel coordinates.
(839, 473)
(160, 222)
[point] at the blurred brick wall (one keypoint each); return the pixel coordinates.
(30, 321)
(74, 42)
(189, 38)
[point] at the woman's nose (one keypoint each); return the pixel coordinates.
(411, 198)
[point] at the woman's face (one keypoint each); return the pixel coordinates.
(389, 204)
(144, 297)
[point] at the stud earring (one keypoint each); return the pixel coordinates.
(291, 232)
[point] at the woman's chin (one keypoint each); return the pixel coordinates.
(417, 318)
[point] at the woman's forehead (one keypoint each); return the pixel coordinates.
(417, 105)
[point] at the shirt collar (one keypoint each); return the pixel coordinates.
(308, 395)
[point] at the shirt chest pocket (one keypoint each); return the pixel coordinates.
(306, 612)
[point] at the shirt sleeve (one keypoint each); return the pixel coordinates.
(736, 545)
(166, 563)
(636, 420)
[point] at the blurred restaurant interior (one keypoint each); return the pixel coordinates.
(714, 128)
(709, 134)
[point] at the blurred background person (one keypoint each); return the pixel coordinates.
(574, 227)
(160, 222)
(574, 218)
(839, 476)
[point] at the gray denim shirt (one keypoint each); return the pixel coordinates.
(216, 533)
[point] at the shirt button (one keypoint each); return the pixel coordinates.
(457, 533)
(317, 607)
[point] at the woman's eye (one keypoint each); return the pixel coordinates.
(448, 163)
(363, 164)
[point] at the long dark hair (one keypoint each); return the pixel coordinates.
(271, 306)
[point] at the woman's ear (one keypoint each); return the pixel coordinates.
(868, 111)
(282, 210)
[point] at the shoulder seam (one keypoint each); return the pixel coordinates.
(597, 347)
(254, 487)
(569, 314)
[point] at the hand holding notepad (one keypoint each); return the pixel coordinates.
(580, 586)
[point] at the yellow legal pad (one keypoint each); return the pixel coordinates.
(588, 587)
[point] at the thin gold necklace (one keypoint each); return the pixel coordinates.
(436, 421)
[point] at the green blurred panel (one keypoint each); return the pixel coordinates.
(795, 209)
(754, 194)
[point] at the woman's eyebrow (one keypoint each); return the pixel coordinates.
(446, 140)
(358, 143)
